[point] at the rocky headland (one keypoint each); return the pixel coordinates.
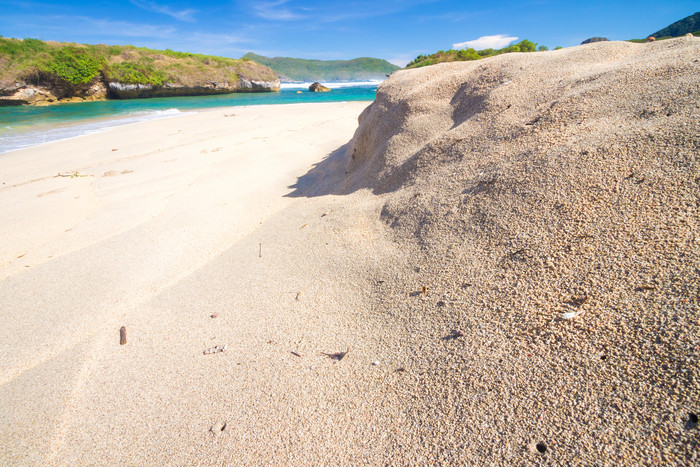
(34, 72)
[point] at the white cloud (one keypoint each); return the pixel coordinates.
(486, 42)
(125, 28)
(273, 11)
(181, 15)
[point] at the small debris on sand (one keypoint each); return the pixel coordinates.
(336, 356)
(218, 428)
(215, 349)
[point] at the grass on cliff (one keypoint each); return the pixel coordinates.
(78, 65)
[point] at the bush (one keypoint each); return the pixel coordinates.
(140, 72)
(21, 48)
(527, 46)
(74, 65)
(468, 54)
(172, 53)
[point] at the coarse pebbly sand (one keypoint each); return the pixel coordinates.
(500, 265)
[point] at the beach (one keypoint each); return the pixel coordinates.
(494, 262)
(157, 227)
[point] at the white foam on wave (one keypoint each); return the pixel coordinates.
(12, 140)
(331, 84)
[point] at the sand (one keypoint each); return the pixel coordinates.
(550, 203)
(166, 224)
(499, 265)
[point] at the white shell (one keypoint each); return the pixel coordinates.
(571, 314)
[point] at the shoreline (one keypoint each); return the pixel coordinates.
(85, 126)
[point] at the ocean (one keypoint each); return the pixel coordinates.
(25, 126)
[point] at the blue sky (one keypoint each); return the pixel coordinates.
(332, 29)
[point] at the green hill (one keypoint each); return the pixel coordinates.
(299, 69)
(34, 71)
(689, 24)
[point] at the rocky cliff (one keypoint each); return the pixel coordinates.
(37, 72)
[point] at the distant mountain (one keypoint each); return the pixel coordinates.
(690, 24)
(299, 69)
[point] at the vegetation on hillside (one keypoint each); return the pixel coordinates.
(662, 38)
(689, 24)
(471, 54)
(78, 65)
(298, 69)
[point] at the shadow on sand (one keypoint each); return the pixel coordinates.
(328, 177)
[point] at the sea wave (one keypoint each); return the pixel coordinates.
(16, 138)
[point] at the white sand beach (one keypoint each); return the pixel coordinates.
(162, 225)
(499, 265)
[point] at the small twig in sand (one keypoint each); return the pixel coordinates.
(260, 252)
(298, 295)
(296, 354)
(122, 335)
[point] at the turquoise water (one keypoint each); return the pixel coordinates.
(26, 126)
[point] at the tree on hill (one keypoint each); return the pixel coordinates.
(470, 54)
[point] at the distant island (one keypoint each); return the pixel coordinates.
(299, 69)
(37, 72)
